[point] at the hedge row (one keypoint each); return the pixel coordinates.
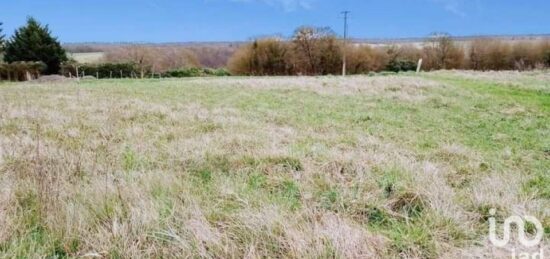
(196, 72)
(107, 70)
(21, 71)
(312, 51)
(132, 70)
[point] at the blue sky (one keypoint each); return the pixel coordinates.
(230, 20)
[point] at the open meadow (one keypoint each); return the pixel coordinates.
(318, 167)
(88, 58)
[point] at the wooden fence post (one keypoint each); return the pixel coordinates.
(419, 66)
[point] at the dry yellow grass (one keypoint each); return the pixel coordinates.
(88, 58)
(363, 167)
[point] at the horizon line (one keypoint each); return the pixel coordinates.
(357, 40)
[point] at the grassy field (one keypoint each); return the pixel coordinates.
(384, 166)
(87, 58)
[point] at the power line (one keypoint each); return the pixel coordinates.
(344, 58)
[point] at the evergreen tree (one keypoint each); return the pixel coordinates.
(1, 39)
(33, 42)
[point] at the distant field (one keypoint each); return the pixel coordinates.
(92, 57)
(315, 167)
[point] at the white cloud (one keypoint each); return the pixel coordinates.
(287, 5)
(453, 6)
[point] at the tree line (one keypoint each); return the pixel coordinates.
(30, 51)
(33, 51)
(318, 51)
(163, 57)
(133, 70)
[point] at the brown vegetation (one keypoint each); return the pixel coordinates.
(263, 57)
(208, 55)
(312, 51)
(21, 71)
(363, 59)
(213, 56)
(441, 52)
(317, 51)
(156, 59)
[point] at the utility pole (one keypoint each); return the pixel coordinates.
(344, 61)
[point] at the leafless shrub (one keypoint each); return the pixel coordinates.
(316, 51)
(156, 59)
(487, 54)
(268, 56)
(440, 52)
(365, 59)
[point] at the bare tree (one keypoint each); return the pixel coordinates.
(156, 59)
(442, 51)
(268, 56)
(315, 47)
